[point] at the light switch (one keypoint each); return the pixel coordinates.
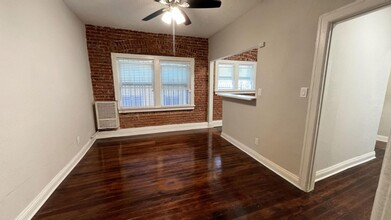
(303, 92)
(259, 92)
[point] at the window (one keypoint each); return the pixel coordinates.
(136, 82)
(235, 76)
(226, 76)
(175, 83)
(246, 73)
(153, 83)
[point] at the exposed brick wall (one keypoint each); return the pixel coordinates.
(102, 41)
(217, 107)
(251, 55)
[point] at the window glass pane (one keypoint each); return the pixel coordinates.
(246, 77)
(175, 78)
(136, 82)
(226, 74)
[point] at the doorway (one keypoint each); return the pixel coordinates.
(325, 31)
(357, 74)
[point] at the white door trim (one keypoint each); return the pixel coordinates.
(382, 201)
(211, 92)
(307, 173)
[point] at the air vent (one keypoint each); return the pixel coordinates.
(106, 115)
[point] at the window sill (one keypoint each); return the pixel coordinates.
(157, 109)
(234, 91)
(236, 96)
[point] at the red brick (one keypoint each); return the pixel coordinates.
(102, 41)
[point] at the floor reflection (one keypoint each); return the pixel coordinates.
(196, 175)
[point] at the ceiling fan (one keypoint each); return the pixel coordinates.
(174, 9)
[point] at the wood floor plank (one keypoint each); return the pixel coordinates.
(198, 175)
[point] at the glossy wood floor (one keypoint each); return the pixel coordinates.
(199, 175)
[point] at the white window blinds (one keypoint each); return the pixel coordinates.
(235, 76)
(175, 83)
(145, 83)
(225, 76)
(136, 82)
(246, 77)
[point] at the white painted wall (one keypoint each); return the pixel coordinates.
(289, 28)
(46, 97)
(356, 83)
(385, 122)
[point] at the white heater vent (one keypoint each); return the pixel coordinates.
(106, 115)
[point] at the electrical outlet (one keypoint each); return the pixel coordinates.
(259, 92)
(256, 141)
(78, 139)
(303, 92)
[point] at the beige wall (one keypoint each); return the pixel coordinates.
(289, 28)
(385, 122)
(46, 96)
(356, 84)
(239, 127)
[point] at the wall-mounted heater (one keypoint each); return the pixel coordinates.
(106, 115)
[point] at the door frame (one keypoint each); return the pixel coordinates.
(325, 24)
(383, 192)
(211, 93)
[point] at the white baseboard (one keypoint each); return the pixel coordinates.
(218, 123)
(154, 129)
(41, 198)
(287, 175)
(382, 138)
(337, 168)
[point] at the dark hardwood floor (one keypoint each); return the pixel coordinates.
(198, 175)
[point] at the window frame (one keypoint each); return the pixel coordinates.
(157, 83)
(236, 64)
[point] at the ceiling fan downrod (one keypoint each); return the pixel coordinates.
(173, 38)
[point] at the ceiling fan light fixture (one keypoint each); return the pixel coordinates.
(174, 14)
(167, 17)
(177, 15)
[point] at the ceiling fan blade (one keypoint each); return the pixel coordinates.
(204, 3)
(155, 14)
(187, 22)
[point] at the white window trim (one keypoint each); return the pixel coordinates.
(157, 83)
(235, 77)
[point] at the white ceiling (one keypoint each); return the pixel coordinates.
(127, 14)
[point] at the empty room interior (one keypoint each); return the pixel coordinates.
(195, 109)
